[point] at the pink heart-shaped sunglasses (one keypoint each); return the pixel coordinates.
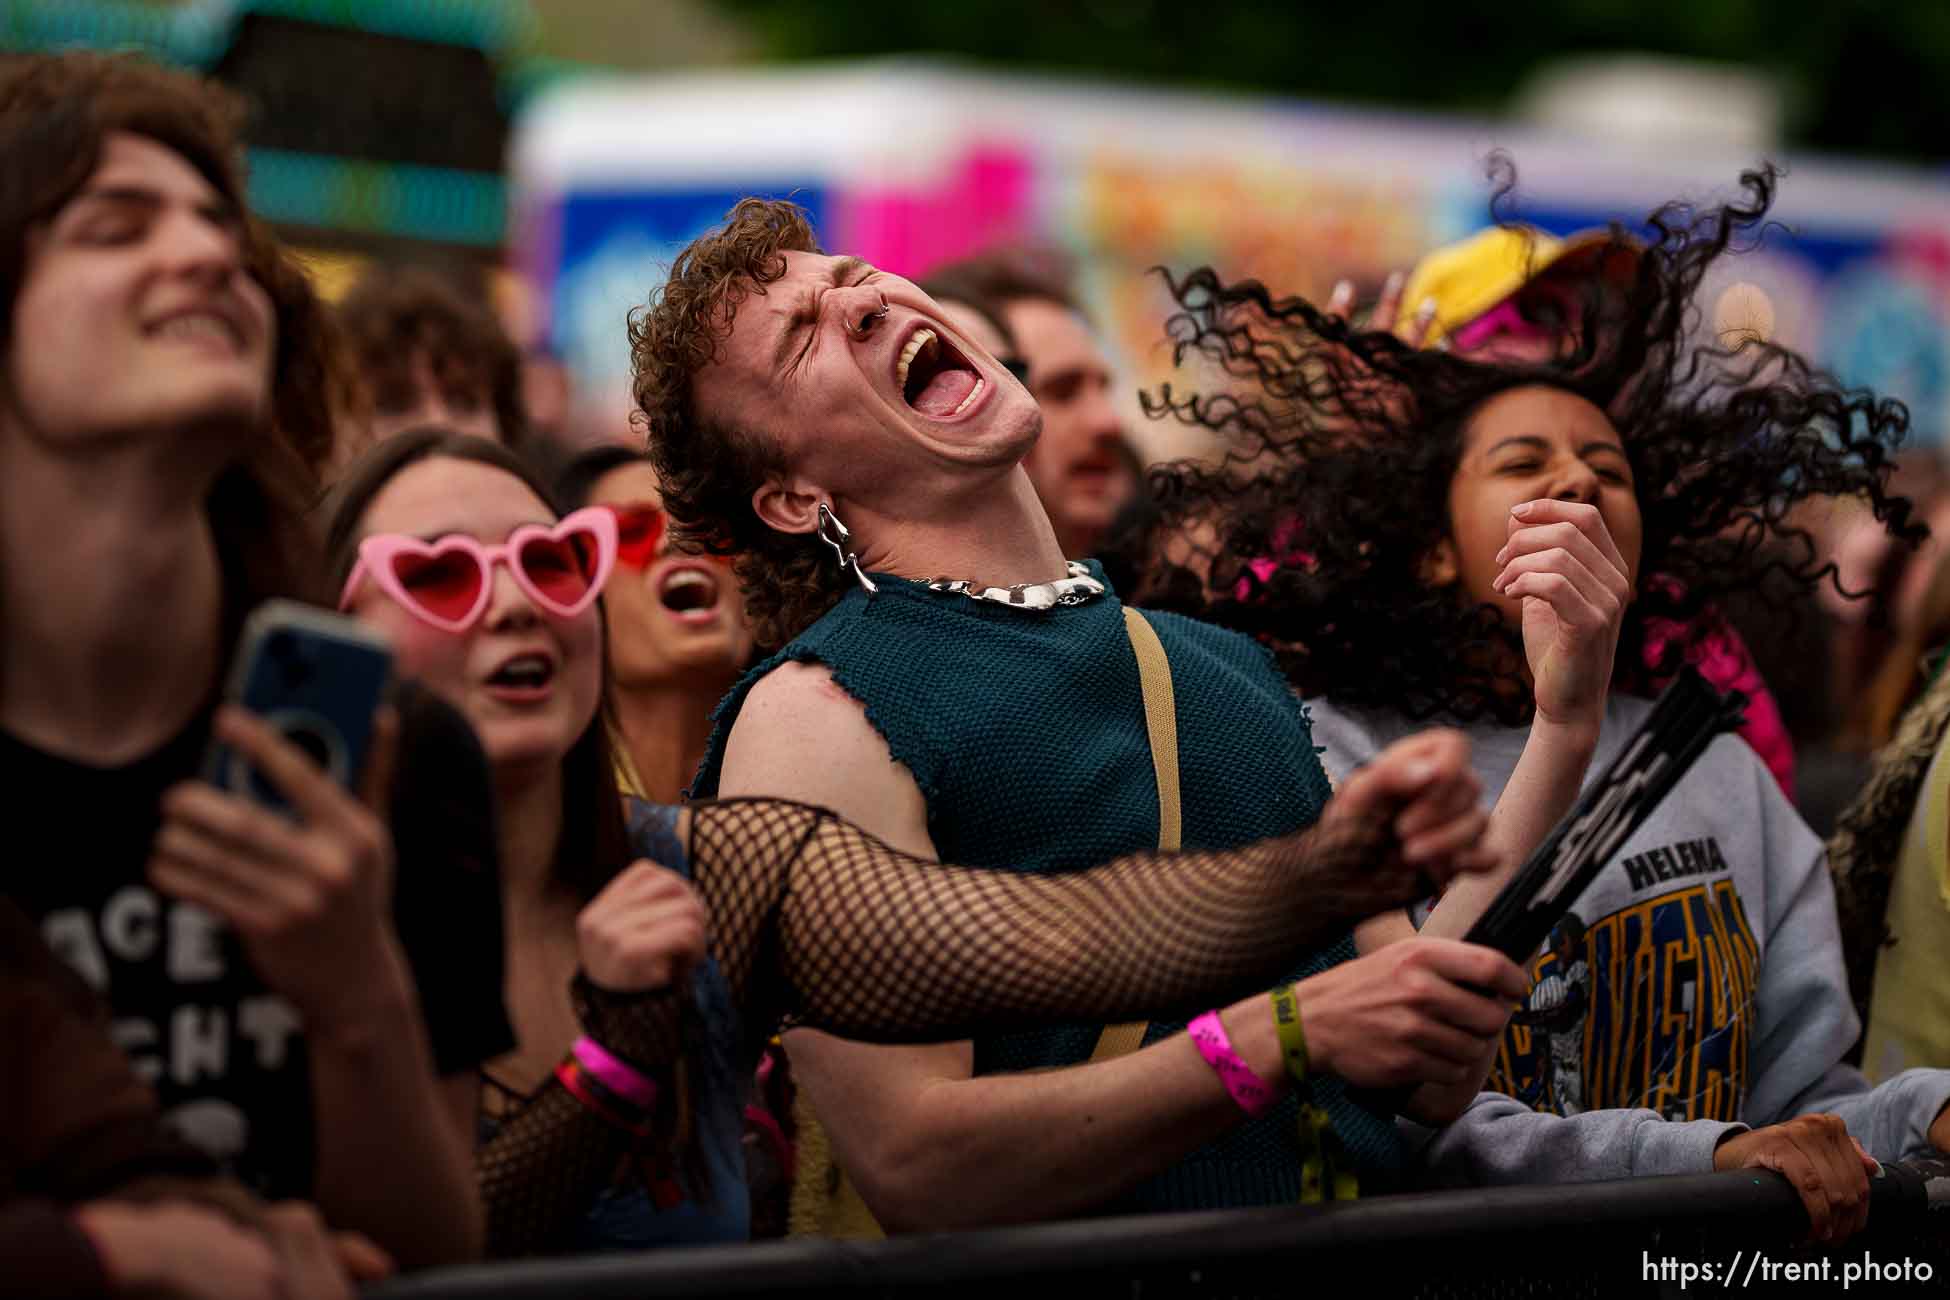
(447, 582)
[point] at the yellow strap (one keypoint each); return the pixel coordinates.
(1160, 720)
(627, 780)
(1161, 723)
(824, 1200)
(824, 1203)
(1120, 1040)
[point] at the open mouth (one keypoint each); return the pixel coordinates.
(934, 378)
(688, 591)
(524, 673)
(200, 327)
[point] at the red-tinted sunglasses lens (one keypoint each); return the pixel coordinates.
(639, 530)
(445, 584)
(561, 569)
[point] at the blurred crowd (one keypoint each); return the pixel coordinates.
(872, 799)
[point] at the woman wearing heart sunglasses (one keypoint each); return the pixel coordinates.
(451, 546)
(615, 1121)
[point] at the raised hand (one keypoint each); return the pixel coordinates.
(1386, 315)
(1560, 558)
(1408, 821)
(310, 892)
(643, 932)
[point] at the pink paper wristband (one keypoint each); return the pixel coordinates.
(1208, 1033)
(619, 1078)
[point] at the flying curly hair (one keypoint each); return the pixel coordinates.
(709, 470)
(1314, 533)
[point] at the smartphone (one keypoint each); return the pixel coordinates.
(316, 678)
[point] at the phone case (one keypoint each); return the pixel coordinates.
(314, 676)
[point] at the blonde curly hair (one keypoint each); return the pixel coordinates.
(709, 470)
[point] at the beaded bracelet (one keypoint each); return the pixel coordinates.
(1208, 1034)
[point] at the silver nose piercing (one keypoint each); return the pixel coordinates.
(868, 321)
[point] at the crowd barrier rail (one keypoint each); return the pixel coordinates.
(1693, 1234)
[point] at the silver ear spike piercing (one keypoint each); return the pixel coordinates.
(835, 534)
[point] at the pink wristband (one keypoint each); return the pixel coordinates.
(1208, 1033)
(619, 1078)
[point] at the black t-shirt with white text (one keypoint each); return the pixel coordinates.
(225, 1054)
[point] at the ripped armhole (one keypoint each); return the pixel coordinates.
(909, 751)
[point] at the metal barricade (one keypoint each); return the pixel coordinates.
(1644, 1236)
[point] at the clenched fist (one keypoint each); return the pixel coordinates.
(1403, 825)
(643, 932)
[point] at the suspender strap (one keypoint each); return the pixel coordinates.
(1161, 724)
(1160, 721)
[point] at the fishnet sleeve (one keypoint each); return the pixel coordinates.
(550, 1157)
(818, 922)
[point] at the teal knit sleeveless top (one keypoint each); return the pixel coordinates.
(1025, 733)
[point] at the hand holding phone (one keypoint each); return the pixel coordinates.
(316, 678)
(296, 862)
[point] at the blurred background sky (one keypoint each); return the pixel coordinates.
(561, 150)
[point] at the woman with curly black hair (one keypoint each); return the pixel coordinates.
(1385, 525)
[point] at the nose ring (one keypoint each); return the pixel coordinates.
(872, 318)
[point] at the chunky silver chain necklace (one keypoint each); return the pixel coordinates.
(1076, 589)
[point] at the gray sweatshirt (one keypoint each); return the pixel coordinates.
(1696, 987)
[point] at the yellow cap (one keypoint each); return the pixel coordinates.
(1468, 278)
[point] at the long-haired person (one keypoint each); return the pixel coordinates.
(529, 678)
(274, 977)
(1513, 293)
(615, 1120)
(1697, 988)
